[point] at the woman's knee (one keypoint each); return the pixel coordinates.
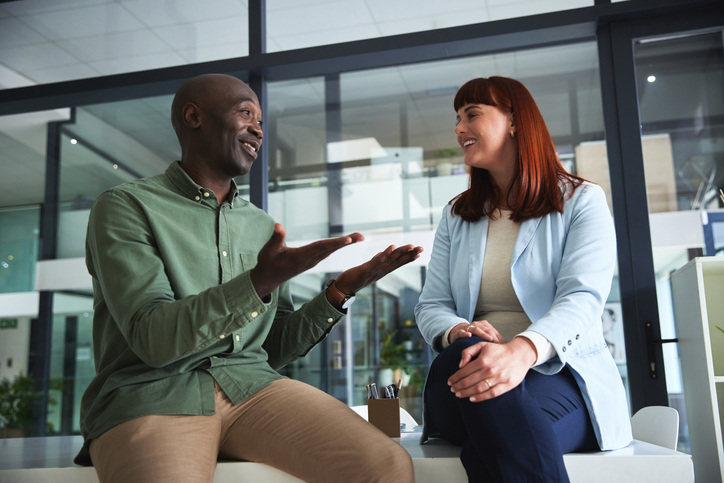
(459, 345)
(448, 361)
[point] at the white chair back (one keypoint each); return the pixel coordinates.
(656, 425)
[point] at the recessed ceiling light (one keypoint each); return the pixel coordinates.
(651, 78)
(73, 141)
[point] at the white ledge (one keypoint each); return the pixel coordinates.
(38, 460)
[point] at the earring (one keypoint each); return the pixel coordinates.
(512, 133)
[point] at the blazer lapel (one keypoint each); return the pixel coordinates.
(477, 238)
(525, 236)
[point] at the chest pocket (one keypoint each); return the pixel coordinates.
(248, 261)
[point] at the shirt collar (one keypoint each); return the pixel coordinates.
(190, 189)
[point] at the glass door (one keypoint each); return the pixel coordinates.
(662, 88)
(681, 104)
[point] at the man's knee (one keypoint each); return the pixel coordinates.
(370, 459)
(388, 463)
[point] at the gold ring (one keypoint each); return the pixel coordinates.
(490, 386)
(471, 326)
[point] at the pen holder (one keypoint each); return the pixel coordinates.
(384, 413)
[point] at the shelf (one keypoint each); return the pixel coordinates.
(698, 309)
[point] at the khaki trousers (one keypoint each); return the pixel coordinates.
(289, 425)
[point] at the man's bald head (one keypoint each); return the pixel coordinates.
(218, 120)
(201, 90)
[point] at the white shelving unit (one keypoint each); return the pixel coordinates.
(698, 293)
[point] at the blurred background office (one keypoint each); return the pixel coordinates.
(357, 98)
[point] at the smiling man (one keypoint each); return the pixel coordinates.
(193, 317)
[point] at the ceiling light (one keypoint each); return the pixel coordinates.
(73, 141)
(651, 78)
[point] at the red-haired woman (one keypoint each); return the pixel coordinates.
(519, 274)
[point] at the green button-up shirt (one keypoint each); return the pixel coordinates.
(174, 306)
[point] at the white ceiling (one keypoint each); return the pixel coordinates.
(50, 41)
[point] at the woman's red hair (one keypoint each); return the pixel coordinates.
(539, 181)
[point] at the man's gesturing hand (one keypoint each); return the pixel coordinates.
(277, 263)
(356, 278)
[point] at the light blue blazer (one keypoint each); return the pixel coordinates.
(561, 271)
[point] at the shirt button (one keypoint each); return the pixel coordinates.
(198, 198)
(206, 194)
(254, 314)
(578, 336)
(222, 336)
(238, 338)
(224, 253)
(564, 349)
(569, 342)
(330, 320)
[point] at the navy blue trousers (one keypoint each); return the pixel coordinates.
(519, 436)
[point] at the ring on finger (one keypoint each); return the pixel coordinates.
(490, 386)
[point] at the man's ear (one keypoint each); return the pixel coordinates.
(191, 115)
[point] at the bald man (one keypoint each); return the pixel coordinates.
(193, 317)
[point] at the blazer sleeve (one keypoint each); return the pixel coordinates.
(436, 310)
(583, 280)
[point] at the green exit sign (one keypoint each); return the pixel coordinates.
(8, 323)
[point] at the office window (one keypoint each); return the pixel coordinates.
(106, 145)
(22, 163)
(18, 248)
(72, 366)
